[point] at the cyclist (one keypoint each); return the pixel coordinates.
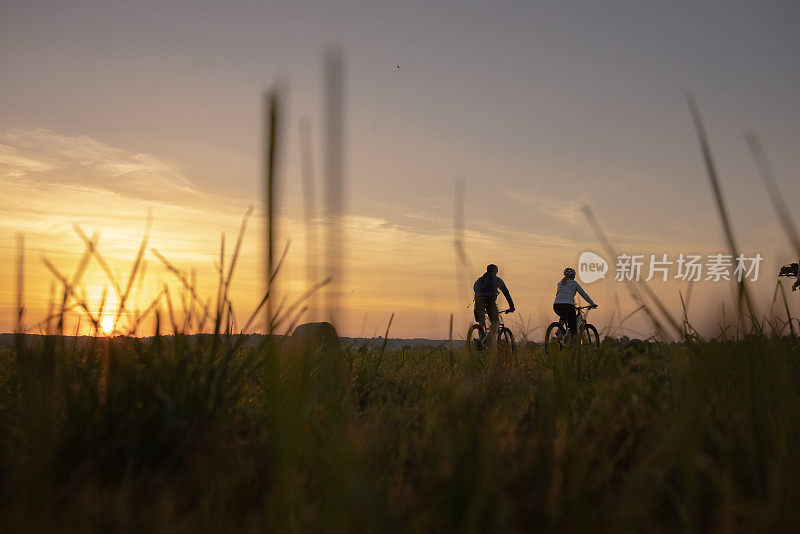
(486, 289)
(564, 304)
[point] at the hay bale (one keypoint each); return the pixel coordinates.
(315, 337)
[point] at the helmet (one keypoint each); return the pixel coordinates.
(491, 268)
(569, 271)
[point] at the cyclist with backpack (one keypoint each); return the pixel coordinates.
(564, 304)
(486, 289)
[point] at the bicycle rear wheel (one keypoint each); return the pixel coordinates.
(554, 336)
(474, 339)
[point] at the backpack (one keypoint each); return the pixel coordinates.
(484, 286)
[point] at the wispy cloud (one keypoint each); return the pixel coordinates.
(39, 156)
(565, 208)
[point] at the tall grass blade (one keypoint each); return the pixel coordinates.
(69, 291)
(385, 341)
(271, 124)
(220, 286)
(20, 283)
(141, 316)
(309, 213)
(333, 74)
(632, 288)
(190, 287)
(450, 340)
(464, 266)
(172, 321)
(137, 262)
(743, 295)
(775, 195)
(101, 306)
(786, 308)
(84, 261)
(91, 245)
(236, 250)
(265, 299)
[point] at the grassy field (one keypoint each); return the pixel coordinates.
(196, 434)
(178, 435)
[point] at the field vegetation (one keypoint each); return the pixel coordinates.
(178, 433)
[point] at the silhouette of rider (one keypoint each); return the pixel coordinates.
(486, 289)
(564, 303)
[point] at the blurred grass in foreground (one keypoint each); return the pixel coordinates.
(208, 434)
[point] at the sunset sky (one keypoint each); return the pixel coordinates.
(107, 111)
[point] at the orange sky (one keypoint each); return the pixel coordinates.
(53, 181)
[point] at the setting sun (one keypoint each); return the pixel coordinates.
(107, 324)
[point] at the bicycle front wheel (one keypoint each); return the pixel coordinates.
(554, 336)
(590, 336)
(505, 344)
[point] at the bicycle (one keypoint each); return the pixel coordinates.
(556, 335)
(505, 339)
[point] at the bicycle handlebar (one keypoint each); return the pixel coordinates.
(586, 307)
(506, 311)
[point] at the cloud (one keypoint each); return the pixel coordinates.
(563, 210)
(15, 165)
(39, 156)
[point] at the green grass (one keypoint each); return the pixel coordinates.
(176, 435)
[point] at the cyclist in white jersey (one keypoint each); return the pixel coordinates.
(564, 304)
